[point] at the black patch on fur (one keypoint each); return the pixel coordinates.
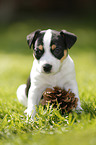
(57, 40)
(31, 38)
(28, 86)
(37, 52)
(69, 38)
(63, 40)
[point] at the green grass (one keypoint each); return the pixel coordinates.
(49, 126)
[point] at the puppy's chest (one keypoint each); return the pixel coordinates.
(53, 80)
(64, 75)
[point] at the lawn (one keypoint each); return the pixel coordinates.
(49, 126)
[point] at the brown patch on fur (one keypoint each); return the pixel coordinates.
(53, 47)
(65, 54)
(40, 47)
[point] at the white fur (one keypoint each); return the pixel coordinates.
(62, 75)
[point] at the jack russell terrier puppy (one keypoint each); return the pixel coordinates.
(52, 67)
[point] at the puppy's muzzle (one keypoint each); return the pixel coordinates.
(47, 68)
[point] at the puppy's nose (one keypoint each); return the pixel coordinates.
(47, 68)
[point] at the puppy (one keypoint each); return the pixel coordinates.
(52, 67)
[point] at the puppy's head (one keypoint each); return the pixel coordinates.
(50, 48)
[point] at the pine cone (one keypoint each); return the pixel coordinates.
(66, 99)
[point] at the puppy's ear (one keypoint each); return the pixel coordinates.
(31, 38)
(69, 38)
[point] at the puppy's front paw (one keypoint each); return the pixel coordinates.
(30, 113)
(25, 112)
(79, 109)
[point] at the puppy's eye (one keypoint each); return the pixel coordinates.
(58, 52)
(38, 53)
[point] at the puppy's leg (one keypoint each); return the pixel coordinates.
(34, 96)
(21, 95)
(74, 88)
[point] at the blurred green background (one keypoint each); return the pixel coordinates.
(19, 17)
